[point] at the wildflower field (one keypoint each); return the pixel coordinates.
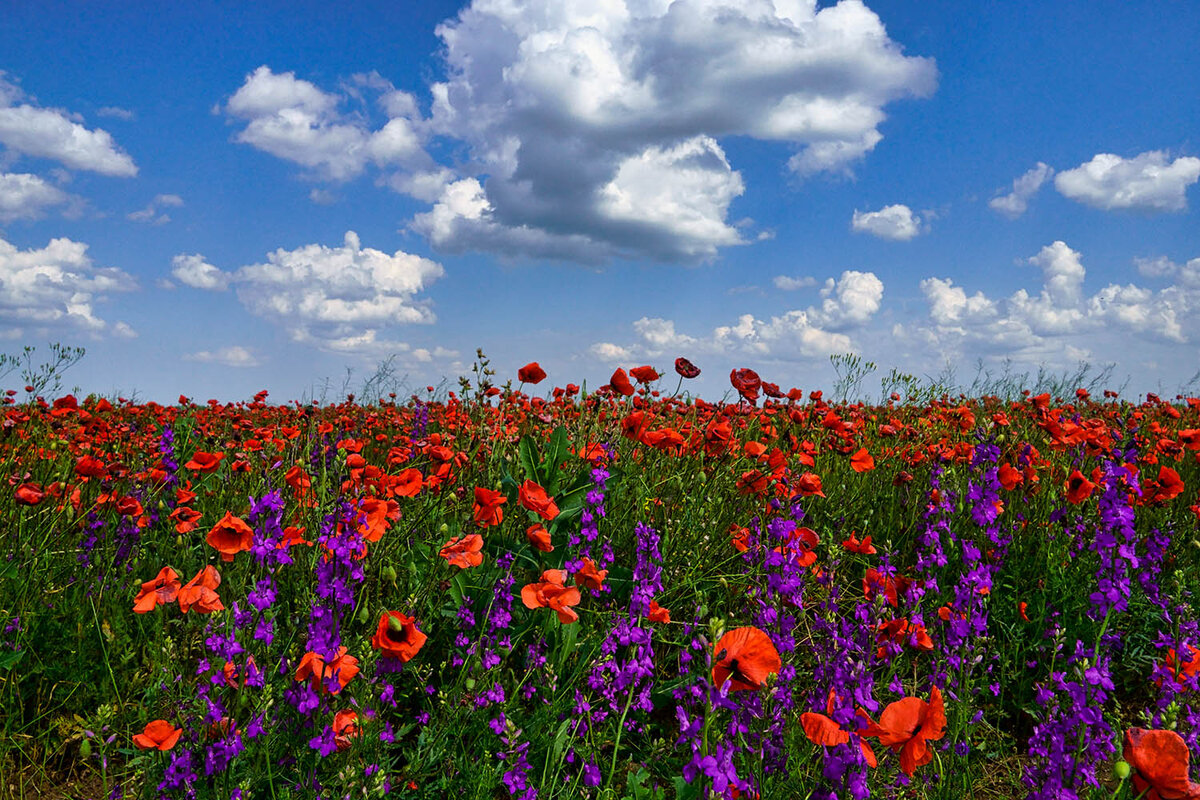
(517, 591)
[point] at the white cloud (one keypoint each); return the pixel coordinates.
(1147, 182)
(25, 196)
(338, 297)
(1016, 202)
(1060, 324)
(55, 288)
(789, 284)
(895, 222)
(192, 270)
(1157, 267)
(115, 112)
(816, 332)
(232, 356)
(30, 130)
(593, 130)
(294, 120)
(150, 213)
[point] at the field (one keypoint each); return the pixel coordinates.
(511, 590)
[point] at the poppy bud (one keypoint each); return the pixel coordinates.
(470, 684)
(85, 748)
(179, 541)
(364, 616)
(388, 573)
(395, 624)
(1121, 770)
(443, 529)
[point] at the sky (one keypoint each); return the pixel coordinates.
(214, 198)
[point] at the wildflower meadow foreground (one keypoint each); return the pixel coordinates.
(517, 591)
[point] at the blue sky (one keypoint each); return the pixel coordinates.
(219, 198)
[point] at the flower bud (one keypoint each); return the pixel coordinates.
(395, 625)
(1121, 770)
(364, 615)
(388, 573)
(85, 748)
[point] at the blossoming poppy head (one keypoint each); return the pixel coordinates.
(157, 735)
(230, 536)
(487, 509)
(744, 657)
(397, 636)
(686, 369)
(204, 462)
(646, 374)
(164, 588)
(534, 498)
(345, 728)
(1161, 760)
(539, 537)
(322, 675)
(463, 551)
(589, 576)
(531, 373)
(907, 724)
(201, 592)
(620, 383)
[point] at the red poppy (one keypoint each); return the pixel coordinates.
(1160, 759)
(1009, 478)
(589, 576)
(907, 724)
(539, 537)
(90, 467)
(345, 728)
(230, 536)
(531, 373)
(620, 383)
(29, 494)
(186, 519)
(686, 369)
(744, 657)
(809, 484)
(157, 735)
(313, 667)
(875, 580)
(1181, 669)
(551, 592)
(1021, 609)
(201, 592)
(204, 462)
(234, 679)
(864, 548)
(407, 483)
(487, 509)
(747, 383)
(658, 613)
(646, 374)
(1078, 487)
(463, 551)
(862, 461)
(397, 636)
(379, 515)
(822, 730)
(1168, 486)
(534, 498)
(163, 589)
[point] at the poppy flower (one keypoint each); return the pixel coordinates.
(157, 735)
(230, 536)
(233, 677)
(620, 383)
(342, 668)
(345, 728)
(201, 592)
(862, 461)
(463, 551)
(90, 467)
(1078, 488)
(646, 374)
(1009, 478)
(539, 537)
(1167, 487)
(186, 519)
(1160, 759)
(657, 613)
(407, 483)
(531, 373)
(863, 548)
(744, 657)
(908, 724)
(1183, 670)
(747, 383)
(379, 515)
(29, 494)
(163, 589)
(822, 730)
(686, 369)
(487, 509)
(204, 462)
(809, 484)
(397, 636)
(534, 498)
(589, 576)
(550, 592)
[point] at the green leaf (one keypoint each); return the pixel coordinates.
(527, 455)
(556, 453)
(560, 739)
(10, 659)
